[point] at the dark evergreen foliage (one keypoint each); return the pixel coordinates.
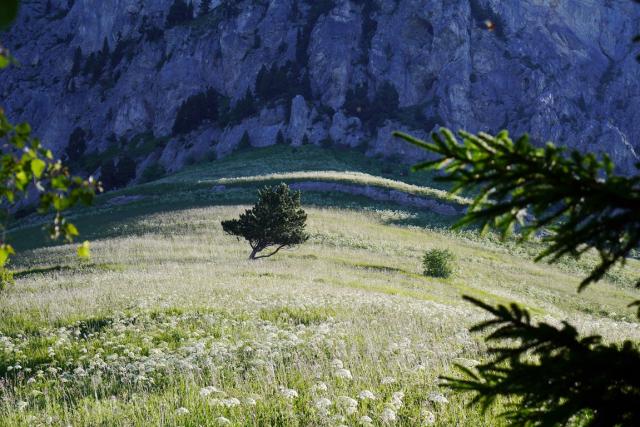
(369, 26)
(151, 31)
(196, 110)
(357, 102)
(96, 62)
(385, 104)
(277, 220)
(244, 108)
(117, 176)
(318, 8)
(153, 172)
(108, 174)
(245, 141)
(179, 13)
(205, 7)
(302, 44)
(77, 145)
(557, 377)
(125, 48)
(282, 82)
(77, 62)
(126, 170)
(89, 64)
(273, 82)
(228, 8)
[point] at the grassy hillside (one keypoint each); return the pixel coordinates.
(170, 324)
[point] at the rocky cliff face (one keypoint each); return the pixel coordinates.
(119, 86)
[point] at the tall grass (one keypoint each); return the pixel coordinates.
(170, 325)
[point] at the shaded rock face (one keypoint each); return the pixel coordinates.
(311, 71)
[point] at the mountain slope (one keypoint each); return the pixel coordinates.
(139, 81)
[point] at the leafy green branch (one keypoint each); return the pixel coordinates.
(27, 167)
(558, 375)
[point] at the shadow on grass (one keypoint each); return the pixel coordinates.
(20, 274)
(102, 221)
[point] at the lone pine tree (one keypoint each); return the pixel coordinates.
(277, 220)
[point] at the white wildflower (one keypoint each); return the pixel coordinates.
(365, 421)
(428, 418)
(366, 395)
(348, 405)
(437, 398)
(22, 405)
(338, 419)
(388, 416)
(206, 391)
(323, 402)
(182, 411)
(288, 393)
(222, 421)
(420, 367)
(396, 399)
(344, 374)
(337, 364)
(231, 402)
(250, 401)
(388, 380)
(319, 387)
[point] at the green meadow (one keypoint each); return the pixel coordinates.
(169, 323)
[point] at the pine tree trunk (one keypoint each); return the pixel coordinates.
(253, 253)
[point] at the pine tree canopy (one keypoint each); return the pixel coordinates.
(276, 220)
(576, 203)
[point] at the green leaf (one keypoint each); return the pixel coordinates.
(5, 252)
(71, 230)
(37, 167)
(84, 250)
(23, 129)
(22, 179)
(4, 61)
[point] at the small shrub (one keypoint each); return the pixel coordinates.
(438, 263)
(6, 278)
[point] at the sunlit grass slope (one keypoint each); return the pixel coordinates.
(170, 324)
